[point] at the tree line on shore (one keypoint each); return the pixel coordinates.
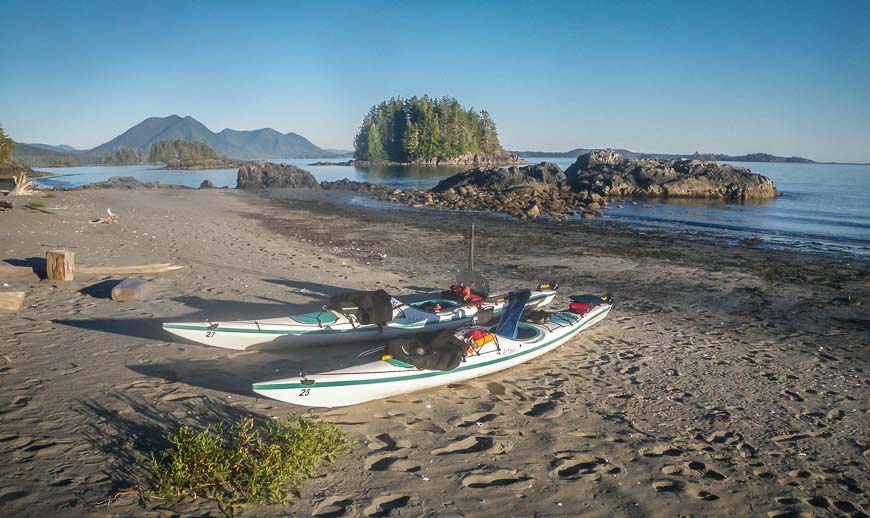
(164, 151)
(171, 150)
(7, 146)
(407, 130)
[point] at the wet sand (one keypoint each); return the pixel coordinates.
(727, 380)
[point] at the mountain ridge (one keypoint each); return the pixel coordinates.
(264, 143)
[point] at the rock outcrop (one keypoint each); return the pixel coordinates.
(522, 192)
(608, 174)
(540, 177)
(266, 174)
(351, 185)
(10, 168)
(469, 159)
(584, 188)
(127, 182)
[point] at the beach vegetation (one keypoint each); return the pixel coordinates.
(171, 150)
(245, 463)
(421, 128)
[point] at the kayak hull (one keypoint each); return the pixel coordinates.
(387, 378)
(328, 328)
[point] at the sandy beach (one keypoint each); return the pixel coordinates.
(729, 379)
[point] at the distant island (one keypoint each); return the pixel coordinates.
(751, 157)
(181, 154)
(265, 143)
(425, 131)
(121, 155)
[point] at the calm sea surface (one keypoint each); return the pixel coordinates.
(823, 208)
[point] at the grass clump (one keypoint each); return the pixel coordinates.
(37, 204)
(244, 464)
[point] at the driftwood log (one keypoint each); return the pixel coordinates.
(11, 300)
(23, 186)
(127, 270)
(7, 204)
(60, 265)
(131, 288)
(38, 209)
(110, 219)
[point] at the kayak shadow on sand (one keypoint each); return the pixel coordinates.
(203, 309)
(236, 374)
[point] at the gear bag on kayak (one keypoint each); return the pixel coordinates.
(369, 307)
(439, 352)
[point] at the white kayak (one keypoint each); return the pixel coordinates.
(333, 327)
(390, 377)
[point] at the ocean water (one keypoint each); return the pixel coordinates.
(74, 176)
(824, 207)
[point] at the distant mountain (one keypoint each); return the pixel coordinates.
(63, 148)
(344, 153)
(263, 143)
(35, 156)
(752, 157)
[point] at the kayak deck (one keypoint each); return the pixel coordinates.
(326, 327)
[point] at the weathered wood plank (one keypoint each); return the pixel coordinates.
(127, 270)
(8, 268)
(11, 300)
(60, 265)
(131, 288)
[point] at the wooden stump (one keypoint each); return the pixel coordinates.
(60, 265)
(131, 288)
(11, 301)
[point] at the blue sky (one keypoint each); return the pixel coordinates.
(781, 77)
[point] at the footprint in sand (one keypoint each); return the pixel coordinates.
(384, 505)
(390, 462)
(471, 444)
(424, 425)
(667, 486)
(703, 494)
(496, 389)
(661, 451)
(497, 478)
(582, 467)
(385, 442)
(545, 410)
(693, 468)
(476, 419)
(333, 507)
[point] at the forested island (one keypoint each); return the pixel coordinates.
(426, 131)
(170, 150)
(121, 155)
(181, 154)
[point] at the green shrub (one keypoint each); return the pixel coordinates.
(37, 204)
(244, 464)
